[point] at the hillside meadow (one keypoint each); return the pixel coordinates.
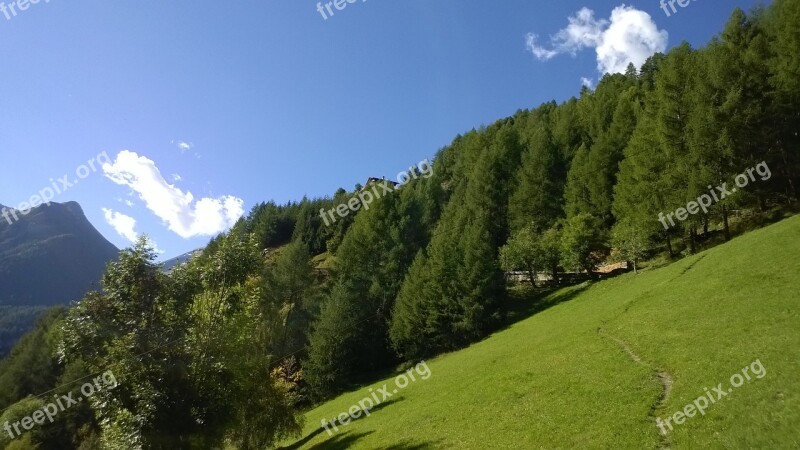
(566, 377)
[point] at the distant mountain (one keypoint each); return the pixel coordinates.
(51, 256)
(178, 260)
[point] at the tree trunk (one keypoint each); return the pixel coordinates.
(789, 177)
(792, 190)
(532, 277)
(669, 245)
(725, 221)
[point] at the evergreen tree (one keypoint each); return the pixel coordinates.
(453, 292)
(538, 197)
(784, 66)
(350, 338)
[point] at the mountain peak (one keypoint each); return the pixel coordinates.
(72, 208)
(56, 243)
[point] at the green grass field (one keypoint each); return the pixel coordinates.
(567, 377)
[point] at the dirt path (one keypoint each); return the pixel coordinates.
(662, 376)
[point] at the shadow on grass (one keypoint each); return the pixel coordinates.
(346, 440)
(523, 305)
(340, 441)
(409, 445)
(335, 439)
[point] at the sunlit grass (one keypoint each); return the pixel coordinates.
(562, 378)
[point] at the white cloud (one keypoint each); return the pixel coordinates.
(176, 177)
(540, 52)
(129, 203)
(583, 31)
(183, 145)
(181, 213)
(630, 36)
(122, 224)
(125, 226)
(588, 82)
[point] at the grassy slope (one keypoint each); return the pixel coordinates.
(562, 378)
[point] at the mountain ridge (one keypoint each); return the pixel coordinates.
(52, 255)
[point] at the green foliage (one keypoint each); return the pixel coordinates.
(15, 321)
(342, 326)
(784, 64)
(290, 285)
(130, 328)
(214, 344)
(271, 224)
(531, 252)
(23, 443)
(785, 15)
(539, 194)
(31, 368)
(14, 414)
(349, 339)
(582, 243)
(311, 228)
(453, 292)
(609, 116)
(631, 240)
(232, 339)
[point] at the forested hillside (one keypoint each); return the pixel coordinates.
(227, 349)
(14, 322)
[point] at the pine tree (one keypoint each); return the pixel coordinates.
(538, 197)
(781, 23)
(643, 192)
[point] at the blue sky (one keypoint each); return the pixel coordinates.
(242, 102)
